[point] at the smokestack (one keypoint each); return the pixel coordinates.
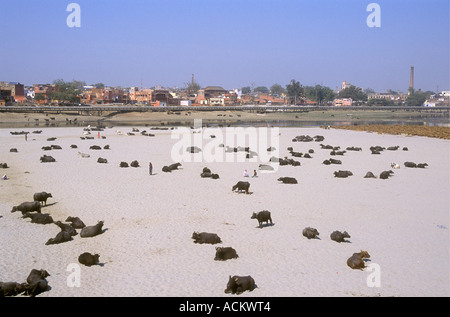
(411, 79)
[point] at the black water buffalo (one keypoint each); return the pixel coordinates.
(288, 180)
(88, 259)
(356, 260)
(170, 168)
(342, 174)
(102, 160)
(410, 164)
(205, 237)
(332, 161)
(262, 216)
(42, 219)
(134, 164)
(353, 148)
(370, 175)
(339, 236)
(56, 147)
(421, 165)
(76, 222)
(310, 233)
(123, 164)
(92, 231)
(62, 236)
(12, 288)
(67, 227)
(241, 186)
(239, 284)
(42, 197)
(95, 147)
(28, 207)
(386, 174)
(36, 282)
(223, 254)
(47, 159)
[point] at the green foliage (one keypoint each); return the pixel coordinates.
(294, 91)
(416, 99)
(246, 90)
(67, 91)
(262, 89)
(353, 92)
(380, 103)
(277, 89)
(319, 93)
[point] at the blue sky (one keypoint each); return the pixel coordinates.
(229, 43)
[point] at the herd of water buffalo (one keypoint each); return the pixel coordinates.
(36, 282)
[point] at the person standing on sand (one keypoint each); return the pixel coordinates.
(150, 168)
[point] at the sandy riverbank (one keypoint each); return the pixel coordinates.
(147, 250)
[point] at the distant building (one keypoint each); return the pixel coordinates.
(339, 102)
(345, 85)
(15, 90)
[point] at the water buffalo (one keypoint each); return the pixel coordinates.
(62, 236)
(288, 180)
(356, 260)
(410, 164)
(28, 207)
(11, 288)
(205, 237)
(342, 174)
(370, 175)
(42, 197)
(47, 159)
(42, 219)
(88, 259)
(386, 174)
(421, 165)
(67, 227)
(170, 168)
(102, 160)
(239, 284)
(36, 282)
(123, 164)
(241, 186)
(310, 233)
(92, 231)
(339, 236)
(134, 164)
(223, 254)
(76, 222)
(95, 147)
(262, 216)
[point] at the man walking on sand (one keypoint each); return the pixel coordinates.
(150, 168)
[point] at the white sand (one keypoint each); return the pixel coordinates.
(147, 250)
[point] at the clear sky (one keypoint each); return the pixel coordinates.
(229, 43)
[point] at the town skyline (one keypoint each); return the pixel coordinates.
(232, 44)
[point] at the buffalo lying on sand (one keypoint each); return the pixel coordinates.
(262, 216)
(67, 227)
(370, 175)
(88, 259)
(339, 236)
(42, 219)
(102, 160)
(356, 260)
(11, 288)
(170, 168)
(223, 254)
(386, 174)
(241, 186)
(62, 236)
(92, 231)
(288, 180)
(36, 282)
(76, 222)
(42, 197)
(342, 174)
(28, 207)
(239, 284)
(310, 233)
(47, 159)
(205, 237)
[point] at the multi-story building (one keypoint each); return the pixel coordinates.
(15, 90)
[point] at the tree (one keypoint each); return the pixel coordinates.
(246, 90)
(277, 89)
(353, 92)
(319, 93)
(380, 103)
(262, 90)
(294, 91)
(67, 91)
(417, 99)
(193, 87)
